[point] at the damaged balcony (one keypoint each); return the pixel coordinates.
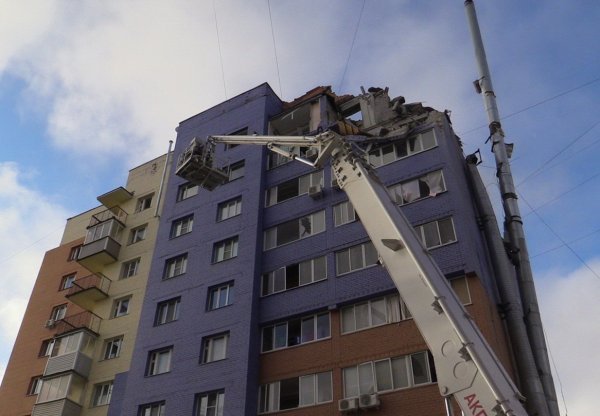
(82, 320)
(88, 290)
(101, 245)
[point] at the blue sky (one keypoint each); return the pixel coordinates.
(84, 83)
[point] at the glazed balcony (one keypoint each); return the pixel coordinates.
(83, 320)
(71, 352)
(60, 395)
(61, 407)
(88, 290)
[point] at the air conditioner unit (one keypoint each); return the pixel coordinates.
(315, 191)
(368, 401)
(348, 405)
(50, 323)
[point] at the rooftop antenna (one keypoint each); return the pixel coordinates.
(543, 401)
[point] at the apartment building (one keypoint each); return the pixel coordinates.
(265, 296)
(81, 321)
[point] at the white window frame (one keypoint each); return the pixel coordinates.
(186, 190)
(159, 361)
(271, 234)
(270, 393)
(175, 266)
(421, 232)
(236, 170)
(102, 394)
(229, 209)
(302, 183)
(182, 226)
(270, 280)
(344, 213)
(371, 368)
(348, 251)
(214, 348)
(35, 385)
(152, 409)
(400, 191)
(167, 311)
(112, 348)
(395, 311)
(203, 403)
(130, 268)
(58, 312)
(121, 307)
(225, 249)
(67, 281)
(144, 203)
(389, 153)
(214, 296)
(138, 234)
(279, 325)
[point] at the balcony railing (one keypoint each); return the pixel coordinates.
(80, 320)
(87, 290)
(114, 212)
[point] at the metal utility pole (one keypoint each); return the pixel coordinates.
(542, 401)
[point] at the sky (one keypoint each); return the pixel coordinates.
(90, 89)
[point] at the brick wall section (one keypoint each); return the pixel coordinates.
(25, 362)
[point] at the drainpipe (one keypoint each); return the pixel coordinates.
(162, 180)
(513, 220)
(511, 307)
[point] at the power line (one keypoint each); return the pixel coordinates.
(351, 46)
(544, 101)
(560, 238)
(561, 151)
(562, 393)
(275, 49)
(219, 47)
(583, 237)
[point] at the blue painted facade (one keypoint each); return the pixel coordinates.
(238, 374)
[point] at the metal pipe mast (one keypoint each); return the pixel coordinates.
(514, 227)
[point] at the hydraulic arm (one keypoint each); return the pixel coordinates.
(467, 368)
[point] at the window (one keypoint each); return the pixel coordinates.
(167, 311)
(46, 348)
(67, 281)
(295, 392)
(372, 313)
(275, 159)
(437, 233)
(121, 307)
(35, 385)
(415, 189)
(229, 208)
(400, 149)
(295, 332)
(461, 288)
(58, 312)
(210, 404)
(226, 249)
(214, 348)
(343, 214)
(159, 361)
(74, 253)
(295, 230)
(355, 258)
(293, 187)
(138, 234)
(294, 275)
(130, 268)
(388, 374)
(175, 266)
(236, 170)
(152, 409)
(144, 203)
(182, 226)
(220, 296)
(111, 228)
(102, 393)
(54, 388)
(112, 347)
(185, 191)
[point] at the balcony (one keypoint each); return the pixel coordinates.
(115, 212)
(62, 407)
(87, 290)
(115, 197)
(97, 254)
(74, 361)
(83, 320)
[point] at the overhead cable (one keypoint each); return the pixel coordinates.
(219, 47)
(275, 49)
(362, 9)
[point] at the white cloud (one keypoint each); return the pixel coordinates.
(29, 225)
(569, 307)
